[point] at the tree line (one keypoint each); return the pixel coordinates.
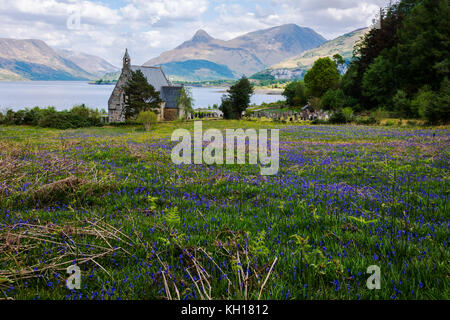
(400, 67)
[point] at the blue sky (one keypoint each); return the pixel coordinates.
(149, 27)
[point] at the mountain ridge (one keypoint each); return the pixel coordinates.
(296, 67)
(246, 54)
(33, 59)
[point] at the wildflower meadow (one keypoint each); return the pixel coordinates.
(110, 201)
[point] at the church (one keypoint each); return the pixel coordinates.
(169, 109)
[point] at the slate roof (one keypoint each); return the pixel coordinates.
(170, 95)
(155, 76)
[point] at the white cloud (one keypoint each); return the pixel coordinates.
(156, 10)
(149, 27)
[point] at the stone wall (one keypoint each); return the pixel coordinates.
(116, 103)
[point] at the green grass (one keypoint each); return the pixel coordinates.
(110, 199)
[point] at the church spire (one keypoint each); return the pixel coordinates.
(126, 60)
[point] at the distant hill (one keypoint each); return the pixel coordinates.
(7, 75)
(197, 70)
(35, 60)
(243, 55)
(92, 64)
(296, 67)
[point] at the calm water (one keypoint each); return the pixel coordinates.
(64, 94)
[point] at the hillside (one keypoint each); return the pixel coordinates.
(92, 64)
(243, 55)
(297, 66)
(6, 75)
(34, 60)
(197, 70)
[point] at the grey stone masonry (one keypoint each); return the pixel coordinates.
(169, 109)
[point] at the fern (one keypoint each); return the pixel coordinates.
(173, 218)
(152, 202)
(257, 245)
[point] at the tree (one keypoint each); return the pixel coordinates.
(423, 49)
(295, 94)
(434, 106)
(402, 105)
(227, 108)
(337, 58)
(321, 77)
(185, 101)
(372, 45)
(237, 100)
(336, 99)
(140, 96)
(147, 119)
(378, 82)
(393, 62)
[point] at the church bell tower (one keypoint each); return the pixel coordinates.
(126, 60)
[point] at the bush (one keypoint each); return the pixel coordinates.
(366, 120)
(380, 114)
(319, 121)
(434, 106)
(402, 105)
(90, 116)
(422, 101)
(315, 103)
(390, 123)
(79, 116)
(333, 99)
(63, 120)
(337, 117)
(147, 118)
(348, 114)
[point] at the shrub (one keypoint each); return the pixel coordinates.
(337, 117)
(366, 120)
(390, 123)
(434, 106)
(380, 114)
(319, 121)
(333, 99)
(422, 101)
(63, 120)
(348, 114)
(315, 103)
(148, 119)
(89, 115)
(402, 105)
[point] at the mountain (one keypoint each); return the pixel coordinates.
(35, 60)
(197, 70)
(6, 75)
(243, 55)
(92, 64)
(296, 67)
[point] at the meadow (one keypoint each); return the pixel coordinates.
(110, 201)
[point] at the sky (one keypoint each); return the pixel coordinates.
(149, 27)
